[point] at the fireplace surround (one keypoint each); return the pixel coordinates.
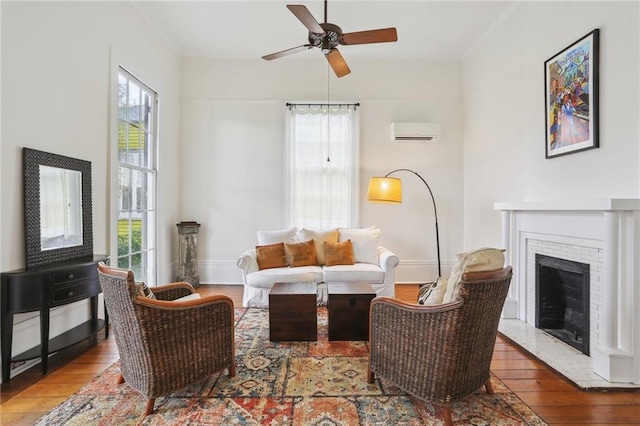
(603, 233)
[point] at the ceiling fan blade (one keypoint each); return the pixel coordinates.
(337, 62)
(287, 52)
(303, 14)
(382, 35)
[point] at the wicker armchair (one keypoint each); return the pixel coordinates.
(165, 344)
(440, 353)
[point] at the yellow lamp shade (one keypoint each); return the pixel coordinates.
(385, 190)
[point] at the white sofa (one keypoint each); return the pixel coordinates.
(373, 264)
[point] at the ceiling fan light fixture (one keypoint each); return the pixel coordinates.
(337, 62)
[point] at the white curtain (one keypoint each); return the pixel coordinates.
(322, 166)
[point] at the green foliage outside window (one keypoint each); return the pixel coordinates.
(123, 244)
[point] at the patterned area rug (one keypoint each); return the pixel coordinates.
(292, 383)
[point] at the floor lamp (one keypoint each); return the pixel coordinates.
(389, 190)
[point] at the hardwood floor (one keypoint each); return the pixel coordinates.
(30, 395)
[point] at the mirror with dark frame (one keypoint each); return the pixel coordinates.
(57, 208)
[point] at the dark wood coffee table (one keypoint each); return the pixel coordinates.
(293, 312)
(348, 306)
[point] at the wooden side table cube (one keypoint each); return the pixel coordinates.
(348, 307)
(293, 312)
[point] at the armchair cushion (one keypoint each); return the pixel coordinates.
(319, 237)
(173, 291)
(339, 253)
(191, 296)
(271, 256)
(143, 290)
(479, 260)
(433, 293)
(300, 254)
(484, 259)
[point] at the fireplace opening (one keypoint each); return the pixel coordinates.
(562, 300)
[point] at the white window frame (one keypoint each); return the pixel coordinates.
(150, 276)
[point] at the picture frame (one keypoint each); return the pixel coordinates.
(571, 79)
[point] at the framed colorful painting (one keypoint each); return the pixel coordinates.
(571, 97)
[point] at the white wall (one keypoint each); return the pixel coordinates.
(222, 129)
(504, 136)
(56, 72)
(232, 139)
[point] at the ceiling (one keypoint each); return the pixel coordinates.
(434, 30)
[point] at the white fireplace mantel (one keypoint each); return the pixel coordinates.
(597, 204)
(602, 232)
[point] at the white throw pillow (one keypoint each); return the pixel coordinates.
(319, 237)
(433, 294)
(483, 259)
(278, 236)
(368, 230)
(364, 242)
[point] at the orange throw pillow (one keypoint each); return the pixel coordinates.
(300, 254)
(271, 256)
(338, 253)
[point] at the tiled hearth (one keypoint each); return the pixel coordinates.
(605, 234)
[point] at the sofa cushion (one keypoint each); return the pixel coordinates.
(482, 259)
(364, 241)
(277, 236)
(365, 272)
(271, 256)
(338, 253)
(300, 254)
(319, 237)
(266, 278)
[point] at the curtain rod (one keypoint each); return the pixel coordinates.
(289, 105)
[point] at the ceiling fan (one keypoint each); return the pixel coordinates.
(329, 36)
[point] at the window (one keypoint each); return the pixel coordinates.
(322, 172)
(136, 177)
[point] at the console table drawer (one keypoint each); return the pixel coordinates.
(73, 275)
(76, 290)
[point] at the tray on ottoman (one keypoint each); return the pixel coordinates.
(293, 312)
(348, 307)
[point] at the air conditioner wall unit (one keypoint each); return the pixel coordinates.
(404, 131)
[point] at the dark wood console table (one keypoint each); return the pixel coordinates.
(43, 288)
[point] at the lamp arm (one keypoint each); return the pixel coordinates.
(435, 210)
